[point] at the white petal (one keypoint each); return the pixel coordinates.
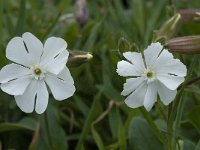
(16, 51)
(126, 69)
(152, 52)
(163, 58)
(57, 64)
(151, 96)
(66, 75)
(26, 101)
(42, 97)
(174, 66)
(52, 47)
(60, 89)
(34, 46)
(136, 59)
(16, 87)
(136, 99)
(131, 84)
(166, 95)
(170, 81)
(13, 71)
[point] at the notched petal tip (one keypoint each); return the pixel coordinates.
(27, 34)
(153, 46)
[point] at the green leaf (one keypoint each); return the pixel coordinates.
(81, 105)
(108, 89)
(21, 18)
(24, 124)
(93, 36)
(97, 139)
(53, 24)
(121, 133)
(113, 122)
(194, 118)
(56, 132)
(88, 122)
(198, 146)
(188, 145)
(1, 22)
(139, 7)
(141, 136)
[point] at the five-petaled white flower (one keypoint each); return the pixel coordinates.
(157, 73)
(36, 66)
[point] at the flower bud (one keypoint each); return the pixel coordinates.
(76, 58)
(184, 45)
(168, 29)
(123, 45)
(188, 15)
(82, 12)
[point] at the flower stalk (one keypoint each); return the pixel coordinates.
(153, 125)
(46, 122)
(179, 103)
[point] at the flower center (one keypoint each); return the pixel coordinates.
(37, 71)
(149, 74)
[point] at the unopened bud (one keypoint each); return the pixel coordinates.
(168, 29)
(134, 48)
(76, 58)
(188, 15)
(82, 12)
(184, 45)
(123, 45)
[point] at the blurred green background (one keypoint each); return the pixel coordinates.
(95, 117)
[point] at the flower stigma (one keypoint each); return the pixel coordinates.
(149, 74)
(37, 71)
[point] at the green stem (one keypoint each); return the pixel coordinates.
(46, 122)
(179, 103)
(153, 125)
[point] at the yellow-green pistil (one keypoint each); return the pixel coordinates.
(149, 74)
(37, 71)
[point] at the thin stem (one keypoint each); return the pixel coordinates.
(179, 103)
(153, 125)
(162, 110)
(46, 122)
(192, 81)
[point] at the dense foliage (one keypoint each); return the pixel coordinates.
(95, 117)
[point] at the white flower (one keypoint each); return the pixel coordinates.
(35, 67)
(158, 73)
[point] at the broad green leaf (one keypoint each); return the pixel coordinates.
(188, 145)
(141, 136)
